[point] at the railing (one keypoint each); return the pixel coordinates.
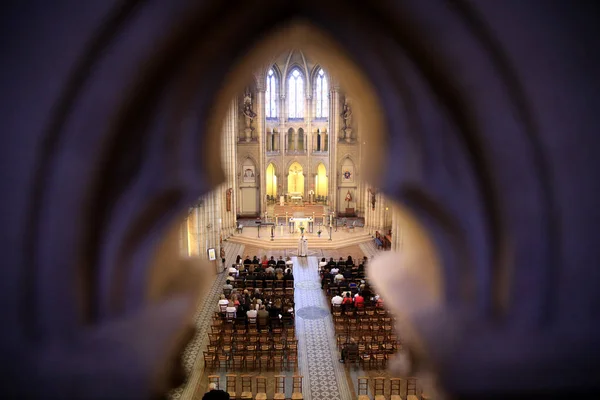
(295, 152)
(320, 152)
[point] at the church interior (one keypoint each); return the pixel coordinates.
(300, 200)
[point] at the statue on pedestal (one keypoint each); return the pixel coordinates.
(347, 117)
(249, 115)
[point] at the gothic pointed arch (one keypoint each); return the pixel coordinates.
(296, 86)
(320, 84)
(272, 86)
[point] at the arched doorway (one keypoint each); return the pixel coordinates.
(295, 179)
(321, 181)
(271, 180)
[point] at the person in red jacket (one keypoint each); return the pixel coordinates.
(359, 301)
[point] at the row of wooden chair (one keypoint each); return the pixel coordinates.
(252, 357)
(261, 387)
(411, 391)
(238, 328)
(239, 283)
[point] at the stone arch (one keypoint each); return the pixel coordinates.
(119, 168)
(290, 142)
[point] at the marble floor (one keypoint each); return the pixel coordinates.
(324, 376)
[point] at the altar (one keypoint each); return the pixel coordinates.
(296, 222)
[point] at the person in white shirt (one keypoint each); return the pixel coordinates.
(234, 271)
(338, 278)
(334, 271)
(231, 308)
(337, 300)
(252, 313)
(322, 264)
(288, 261)
(223, 303)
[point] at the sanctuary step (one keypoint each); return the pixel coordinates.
(307, 209)
(314, 242)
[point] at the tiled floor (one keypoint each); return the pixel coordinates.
(324, 376)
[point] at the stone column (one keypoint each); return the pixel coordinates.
(184, 247)
(368, 212)
(308, 135)
(193, 232)
(334, 125)
(262, 143)
(229, 164)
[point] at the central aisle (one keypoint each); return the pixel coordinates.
(324, 376)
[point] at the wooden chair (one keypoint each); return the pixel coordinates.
(223, 360)
(379, 389)
(411, 386)
(214, 379)
(246, 387)
(292, 360)
(297, 387)
(363, 388)
(250, 361)
(395, 384)
(364, 356)
(238, 362)
(209, 360)
(279, 387)
(231, 386)
(261, 388)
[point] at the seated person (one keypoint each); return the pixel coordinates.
(337, 300)
(347, 299)
(343, 285)
(359, 300)
(281, 261)
(215, 394)
(350, 348)
(231, 308)
(263, 316)
(247, 260)
(322, 264)
(326, 279)
(252, 313)
(288, 275)
(223, 302)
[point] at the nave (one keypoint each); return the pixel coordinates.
(318, 346)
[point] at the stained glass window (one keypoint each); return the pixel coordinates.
(322, 98)
(295, 95)
(271, 95)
